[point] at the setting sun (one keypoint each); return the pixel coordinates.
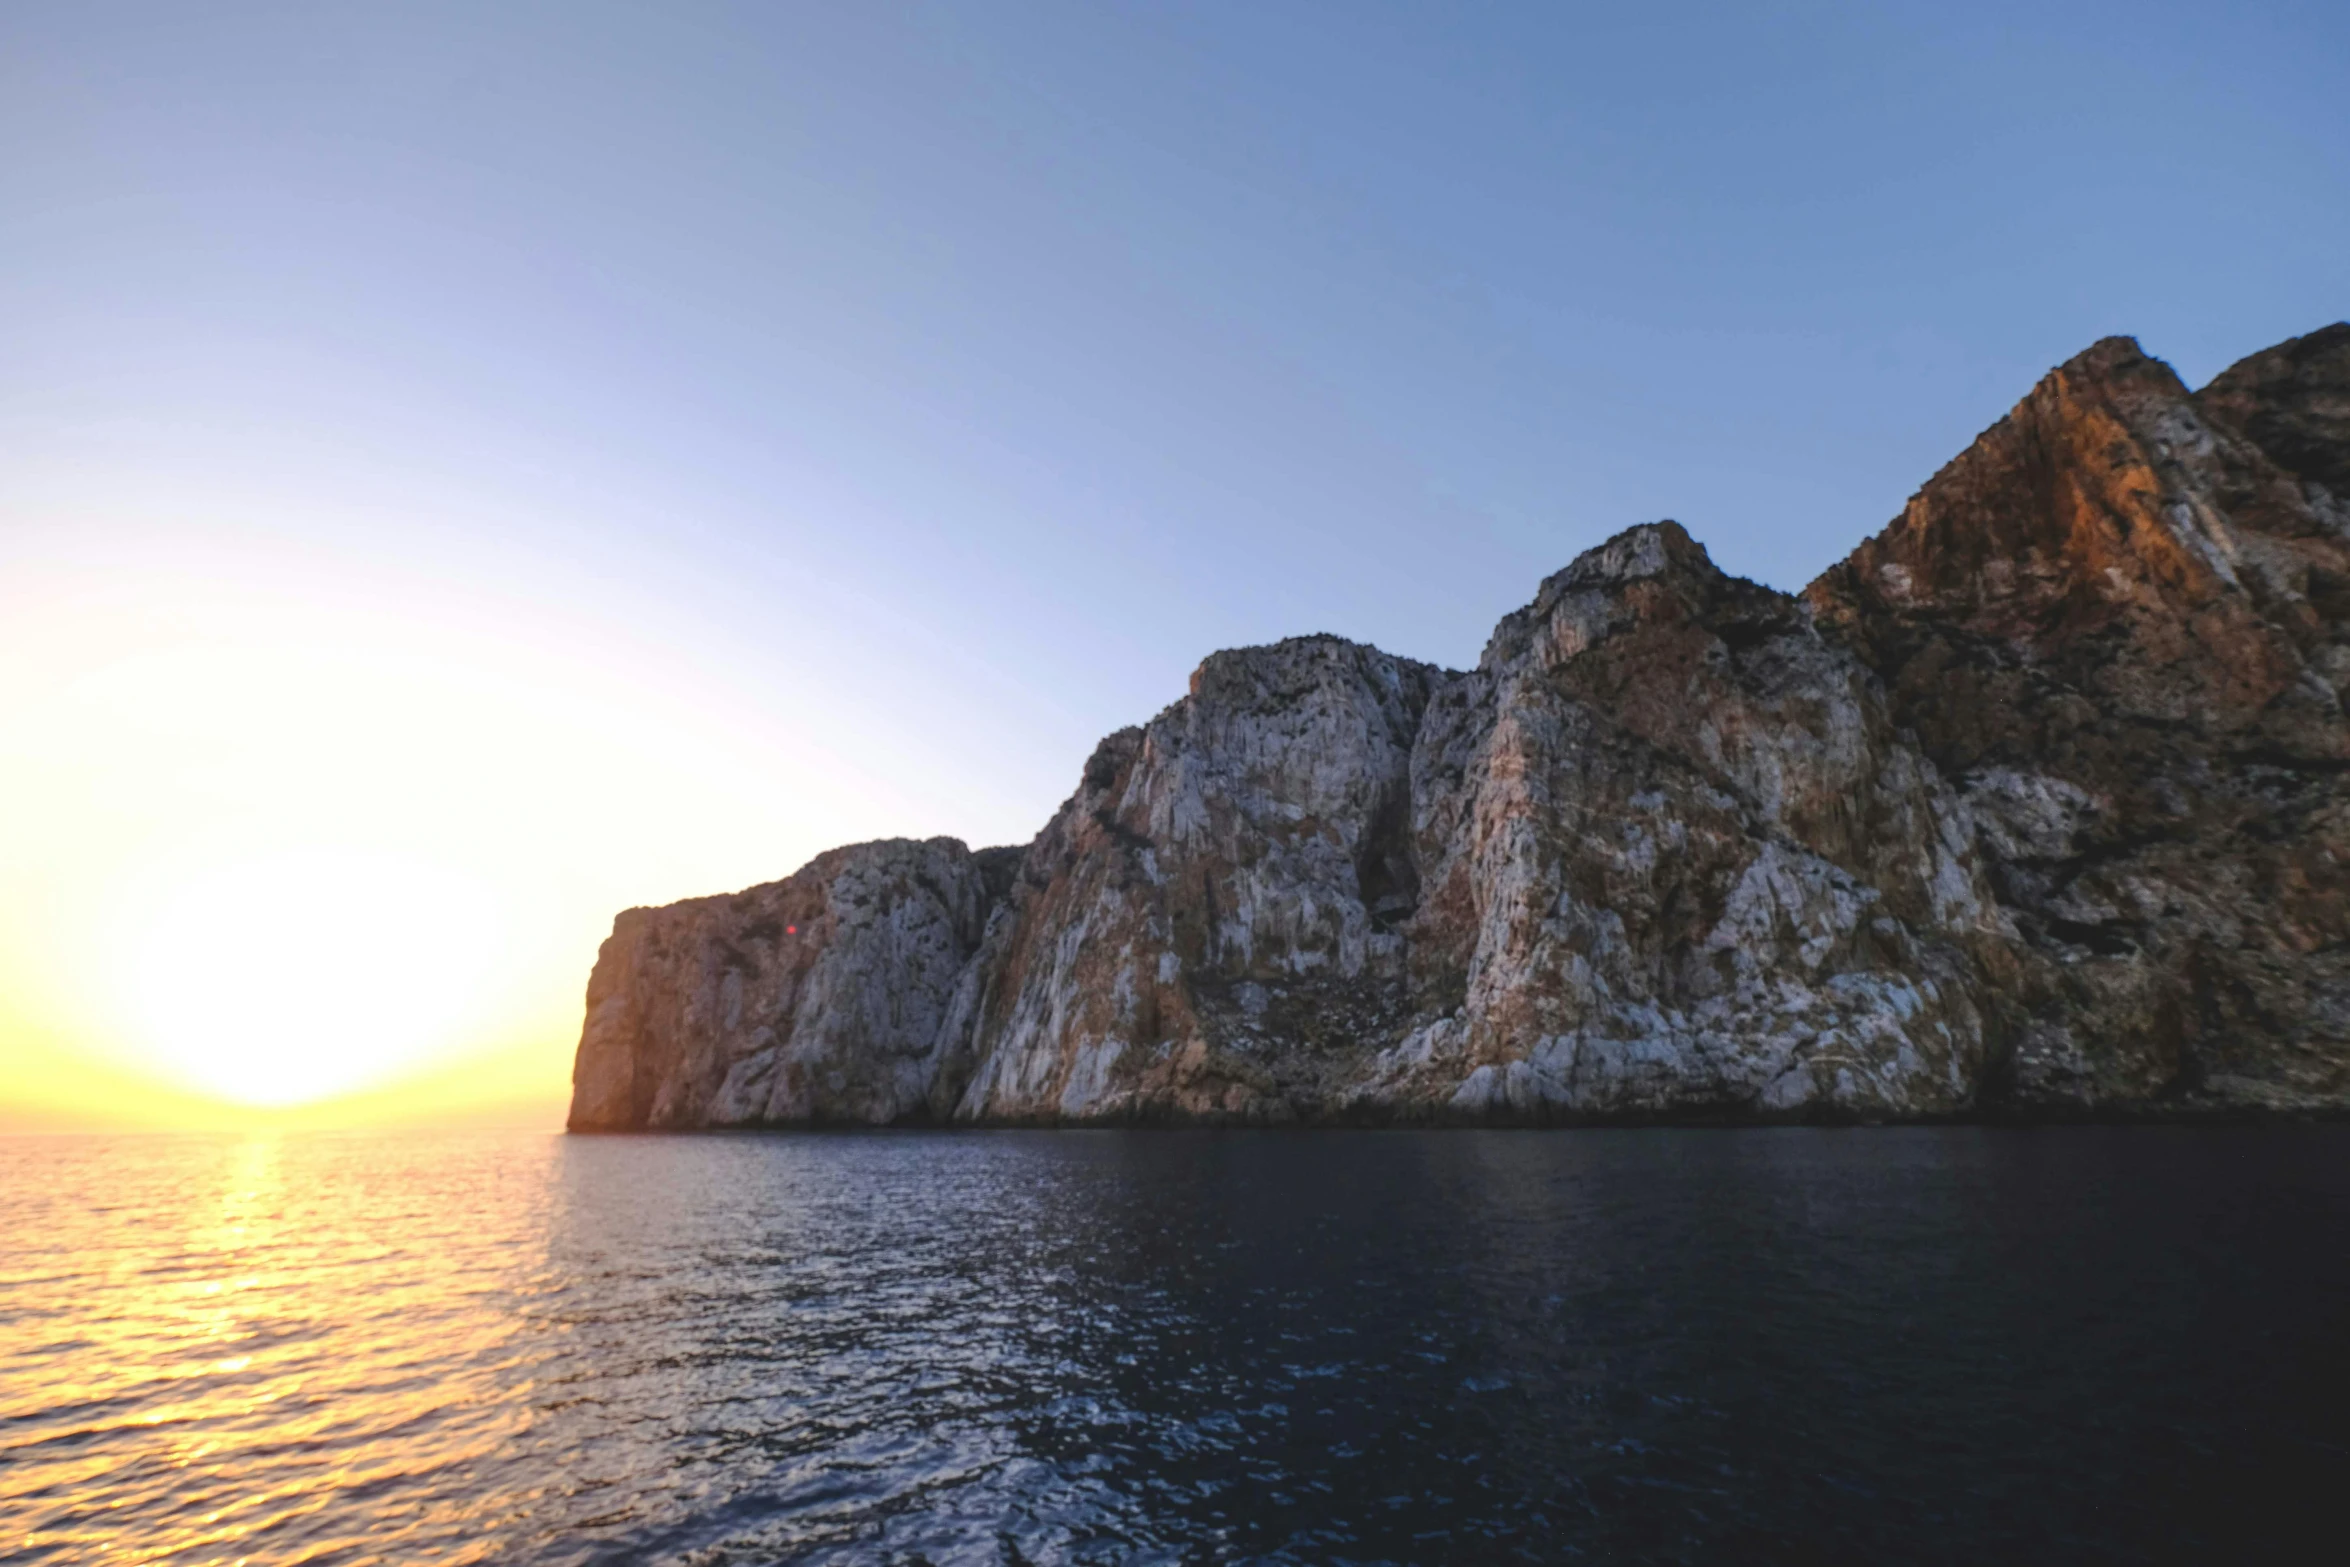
(288, 833)
(285, 979)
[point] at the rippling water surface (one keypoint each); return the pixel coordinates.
(1794, 1345)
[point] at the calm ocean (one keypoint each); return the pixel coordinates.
(1950, 1345)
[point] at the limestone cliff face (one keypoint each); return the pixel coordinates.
(2035, 803)
(1212, 926)
(2117, 623)
(1676, 858)
(815, 998)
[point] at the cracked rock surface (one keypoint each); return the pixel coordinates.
(2119, 624)
(2035, 804)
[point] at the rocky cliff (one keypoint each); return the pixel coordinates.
(2119, 624)
(815, 998)
(2036, 804)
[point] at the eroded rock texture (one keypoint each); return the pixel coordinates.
(2117, 623)
(2035, 804)
(1676, 858)
(1214, 924)
(815, 998)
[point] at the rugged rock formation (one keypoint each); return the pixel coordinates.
(815, 998)
(2035, 804)
(1676, 858)
(2117, 624)
(2293, 402)
(1211, 925)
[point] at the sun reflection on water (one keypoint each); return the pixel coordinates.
(1103, 1348)
(287, 1323)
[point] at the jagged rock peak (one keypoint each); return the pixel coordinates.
(1276, 672)
(1650, 549)
(2293, 402)
(1646, 572)
(2119, 354)
(2104, 512)
(2032, 500)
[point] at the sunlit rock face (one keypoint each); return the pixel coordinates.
(2035, 804)
(816, 998)
(1213, 926)
(2117, 624)
(1675, 858)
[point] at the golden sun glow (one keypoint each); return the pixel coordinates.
(287, 840)
(283, 979)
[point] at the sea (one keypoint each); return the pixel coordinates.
(1958, 1344)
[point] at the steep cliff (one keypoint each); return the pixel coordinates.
(2036, 803)
(1676, 858)
(2293, 402)
(1210, 926)
(815, 998)
(2117, 624)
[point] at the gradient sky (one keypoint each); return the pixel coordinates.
(466, 469)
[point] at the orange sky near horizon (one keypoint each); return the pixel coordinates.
(289, 838)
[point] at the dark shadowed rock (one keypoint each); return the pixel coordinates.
(2293, 402)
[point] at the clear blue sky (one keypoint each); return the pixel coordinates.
(940, 383)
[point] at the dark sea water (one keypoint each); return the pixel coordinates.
(1955, 1345)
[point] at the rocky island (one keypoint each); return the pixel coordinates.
(2035, 805)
